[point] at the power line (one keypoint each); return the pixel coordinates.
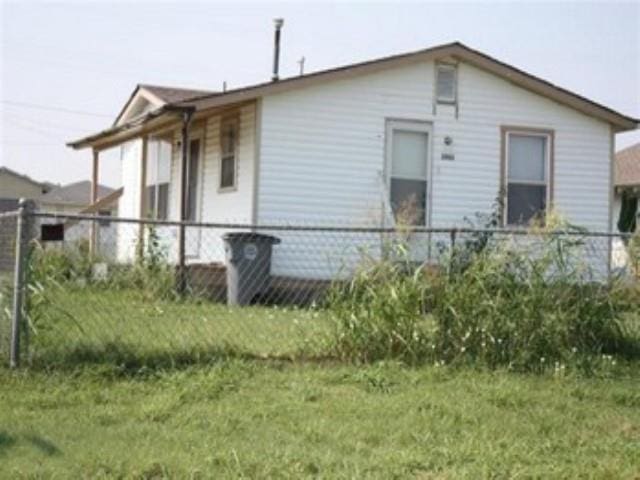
(11, 119)
(30, 144)
(54, 109)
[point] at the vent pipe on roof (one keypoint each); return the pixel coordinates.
(278, 22)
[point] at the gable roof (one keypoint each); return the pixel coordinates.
(159, 95)
(627, 167)
(173, 94)
(456, 51)
(24, 177)
(78, 193)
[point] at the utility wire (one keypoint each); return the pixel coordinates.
(10, 119)
(54, 109)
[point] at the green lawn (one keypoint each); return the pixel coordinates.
(91, 325)
(257, 419)
(123, 387)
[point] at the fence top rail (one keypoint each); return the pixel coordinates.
(326, 228)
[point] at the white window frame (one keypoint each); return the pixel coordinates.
(153, 209)
(548, 174)
(410, 126)
(235, 120)
(454, 69)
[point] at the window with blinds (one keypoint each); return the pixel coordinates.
(527, 177)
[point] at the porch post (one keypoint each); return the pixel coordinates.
(143, 196)
(94, 198)
(184, 198)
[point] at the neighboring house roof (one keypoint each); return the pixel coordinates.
(454, 51)
(26, 178)
(78, 193)
(627, 168)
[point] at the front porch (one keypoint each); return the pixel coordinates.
(179, 163)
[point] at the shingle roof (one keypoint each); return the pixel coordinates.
(78, 193)
(166, 95)
(628, 166)
(175, 94)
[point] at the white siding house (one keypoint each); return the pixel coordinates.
(450, 125)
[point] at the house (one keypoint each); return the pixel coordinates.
(626, 216)
(627, 186)
(75, 198)
(445, 130)
(14, 186)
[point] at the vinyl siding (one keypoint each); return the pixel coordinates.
(323, 149)
(215, 206)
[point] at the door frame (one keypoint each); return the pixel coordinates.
(421, 126)
(200, 136)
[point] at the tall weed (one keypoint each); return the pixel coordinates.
(381, 312)
(525, 303)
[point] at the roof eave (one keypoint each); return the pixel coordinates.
(458, 50)
(539, 86)
(126, 131)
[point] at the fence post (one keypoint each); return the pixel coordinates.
(23, 232)
(182, 270)
(452, 238)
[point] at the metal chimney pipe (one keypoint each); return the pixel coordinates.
(278, 22)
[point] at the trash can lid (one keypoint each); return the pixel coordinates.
(250, 237)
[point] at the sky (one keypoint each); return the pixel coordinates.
(66, 69)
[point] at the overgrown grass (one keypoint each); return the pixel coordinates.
(249, 419)
(6, 303)
(529, 305)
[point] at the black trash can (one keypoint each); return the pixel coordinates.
(248, 258)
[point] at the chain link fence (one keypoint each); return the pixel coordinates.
(8, 225)
(151, 292)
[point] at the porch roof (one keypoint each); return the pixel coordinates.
(452, 51)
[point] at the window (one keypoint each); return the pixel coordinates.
(228, 153)
(446, 90)
(409, 149)
(104, 222)
(158, 175)
(527, 176)
(158, 201)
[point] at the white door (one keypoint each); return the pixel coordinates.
(408, 174)
(194, 174)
